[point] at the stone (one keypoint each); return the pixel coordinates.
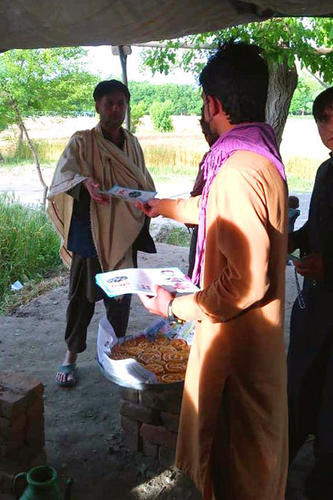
(140, 413)
(168, 400)
(166, 456)
(149, 449)
(158, 435)
(132, 437)
(129, 394)
(170, 421)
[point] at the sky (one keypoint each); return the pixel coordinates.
(103, 63)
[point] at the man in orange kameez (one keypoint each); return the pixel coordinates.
(233, 428)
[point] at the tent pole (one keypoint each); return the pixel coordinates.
(123, 62)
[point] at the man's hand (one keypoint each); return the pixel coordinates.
(311, 267)
(159, 304)
(150, 208)
(92, 187)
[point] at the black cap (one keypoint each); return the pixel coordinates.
(108, 86)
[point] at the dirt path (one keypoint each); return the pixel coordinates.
(83, 438)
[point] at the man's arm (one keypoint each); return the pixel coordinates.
(186, 211)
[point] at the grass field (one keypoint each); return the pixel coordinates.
(173, 154)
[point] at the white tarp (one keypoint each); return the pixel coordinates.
(56, 23)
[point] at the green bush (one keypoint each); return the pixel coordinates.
(160, 113)
(29, 245)
(137, 113)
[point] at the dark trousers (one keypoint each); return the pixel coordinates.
(310, 372)
(83, 293)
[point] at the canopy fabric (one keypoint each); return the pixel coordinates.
(59, 23)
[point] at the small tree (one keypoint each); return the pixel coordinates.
(160, 113)
(35, 82)
(137, 113)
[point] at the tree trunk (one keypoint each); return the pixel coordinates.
(21, 133)
(22, 127)
(281, 87)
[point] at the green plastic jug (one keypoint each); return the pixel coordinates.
(42, 484)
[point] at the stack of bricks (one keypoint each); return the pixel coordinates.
(150, 420)
(21, 423)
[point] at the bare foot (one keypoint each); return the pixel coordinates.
(61, 377)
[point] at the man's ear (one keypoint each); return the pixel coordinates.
(215, 106)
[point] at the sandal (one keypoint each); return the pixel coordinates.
(68, 370)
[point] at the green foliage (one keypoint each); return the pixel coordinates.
(185, 98)
(160, 113)
(44, 81)
(179, 236)
(279, 38)
(137, 113)
(304, 95)
(28, 245)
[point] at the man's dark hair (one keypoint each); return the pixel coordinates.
(323, 101)
(108, 86)
(293, 202)
(237, 75)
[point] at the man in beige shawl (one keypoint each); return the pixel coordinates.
(233, 427)
(98, 233)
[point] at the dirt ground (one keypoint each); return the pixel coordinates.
(82, 425)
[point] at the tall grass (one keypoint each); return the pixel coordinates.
(171, 157)
(28, 246)
(48, 151)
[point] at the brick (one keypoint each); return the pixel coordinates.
(140, 413)
(13, 438)
(168, 400)
(5, 482)
(129, 394)
(18, 463)
(21, 382)
(158, 435)
(5, 423)
(133, 441)
(129, 425)
(170, 421)
(36, 439)
(12, 404)
(166, 456)
(131, 434)
(12, 426)
(36, 408)
(150, 449)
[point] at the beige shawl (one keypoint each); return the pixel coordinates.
(116, 226)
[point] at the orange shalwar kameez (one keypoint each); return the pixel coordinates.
(233, 428)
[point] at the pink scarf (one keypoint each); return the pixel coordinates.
(256, 137)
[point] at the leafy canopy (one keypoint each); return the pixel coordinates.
(280, 39)
(44, 81)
